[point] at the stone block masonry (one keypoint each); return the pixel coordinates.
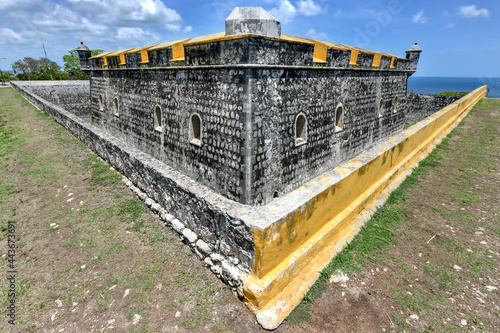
(271, 254)
(70, 95)
(422, 106)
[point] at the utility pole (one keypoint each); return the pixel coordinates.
(1, 74)
(46, 60)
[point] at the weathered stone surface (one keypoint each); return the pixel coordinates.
(421, 106)
(190, 235)
(203, 247)
(177, 225)
(252, 20)
(229, 271)
(73, 96)
(250, 50)
(155, 207)
(247, 150)
(216, 257)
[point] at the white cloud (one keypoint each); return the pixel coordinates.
(450, 26)
(135, 34)
(61, 20)
(286, 11)
(17, 4)
(316, 35)
(419, 18)
(130, 13)
(337, 13)
(10, 37)
(472, 11)
(308, 7)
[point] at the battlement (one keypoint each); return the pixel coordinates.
(252, 36)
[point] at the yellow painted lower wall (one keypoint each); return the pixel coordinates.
(292, 251)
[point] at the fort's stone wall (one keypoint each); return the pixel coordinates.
(214, 95)
(252, 50)
(421, 106)
(248, 151)
(278, 96)
(73, 96)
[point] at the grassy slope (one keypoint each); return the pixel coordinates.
(83, 240)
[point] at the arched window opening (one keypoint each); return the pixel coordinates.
(116, 106)
(395, 104)
(276, 195)
(380, 107)
(158, 119)
(101, 103)
(300, 130)
(339, 118)
(195, 130)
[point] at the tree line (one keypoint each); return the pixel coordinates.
(45, 69)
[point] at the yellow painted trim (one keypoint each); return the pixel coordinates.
(290, 253)
(178, 50)
(221, 36)
(122, 59)
(377, 58)
(392, 61)
(116, 53)
(178, 59)
(168, 44)
(296, 39)
(319, 61)
(144, 52)
(144, 57)
(101, 55)
(320, 51)
(142, 48)
(354, 57)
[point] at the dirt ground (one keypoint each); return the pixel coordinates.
(90, 257)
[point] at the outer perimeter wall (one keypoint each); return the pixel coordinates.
(247, 149)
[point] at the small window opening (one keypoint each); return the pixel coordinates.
(116, 106)
(339, 118)
(195, 130)
(158, 119)
(380, 107)
(276, 195)
(101, 103)
(395, 104)
(300, 130)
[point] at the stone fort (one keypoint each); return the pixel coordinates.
(265, 151)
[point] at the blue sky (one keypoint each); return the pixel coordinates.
(458, 38)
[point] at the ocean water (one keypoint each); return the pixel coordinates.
(434, 85)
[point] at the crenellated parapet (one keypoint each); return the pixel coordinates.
(253, 37)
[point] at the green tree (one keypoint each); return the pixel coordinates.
(38, 69)
(27, 66)
(72, 63)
